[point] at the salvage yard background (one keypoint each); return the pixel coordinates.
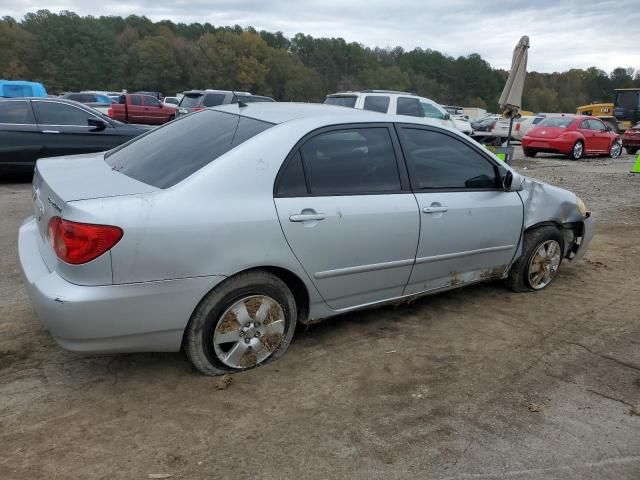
(474, 383)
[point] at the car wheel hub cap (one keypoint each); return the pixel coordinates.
(577, 150)
(249, 331)
(615, 149)
(544, 264)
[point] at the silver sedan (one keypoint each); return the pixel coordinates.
(219, 232)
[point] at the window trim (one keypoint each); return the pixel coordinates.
(109, 125)
(415, 188)
(297, 148)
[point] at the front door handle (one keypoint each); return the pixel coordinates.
(305, 217)
(435, 209)
(50, 131)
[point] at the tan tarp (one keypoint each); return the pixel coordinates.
(511, 98)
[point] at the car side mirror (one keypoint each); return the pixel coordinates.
(447, 116)
(511, 181)
(97, 123)
(608, 129)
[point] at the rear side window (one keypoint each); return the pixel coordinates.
(342, 101)
(343, 162)
(171, 153)
(597, 125)
(16, 112)
(136, 100)
(376, 103)
(409, 106)
(437, 160)
(213, 99)
(292, 182)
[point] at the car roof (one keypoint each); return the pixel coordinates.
(281, 112)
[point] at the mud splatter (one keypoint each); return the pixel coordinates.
(253, 305)
(229, 323)
(248, 359)
(272, 341)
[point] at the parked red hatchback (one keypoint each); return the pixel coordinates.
(631, 139)
(572, 135)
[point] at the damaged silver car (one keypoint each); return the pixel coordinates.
(220, 232)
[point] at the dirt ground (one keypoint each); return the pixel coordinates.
(478, 383)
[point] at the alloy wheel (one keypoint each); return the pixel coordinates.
(577, 150)
(544, 264)
(616, 149)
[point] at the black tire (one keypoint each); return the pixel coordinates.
(631, 150)
(529, 152)
(198, 337)
(572, 154)
(172, 117)
(518, 279)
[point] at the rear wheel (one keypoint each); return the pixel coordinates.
(577, 150)
(616, 149)
(528, 152)
(171, 117)
(542, 252)
(631, 150)
(244, 322)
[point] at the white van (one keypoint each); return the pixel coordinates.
(395, 103)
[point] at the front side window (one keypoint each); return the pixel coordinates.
(17, 112)
(430, 111)
(351, 161)
(409, 106)
(169, 154)
(51, 113)
(213, 99)
(437, 160)
(150, 101)
(376, 103)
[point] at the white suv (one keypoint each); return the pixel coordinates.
(395, 103)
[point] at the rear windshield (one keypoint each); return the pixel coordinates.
(191, 100)
(171, 153)
(341, 101)
(556, 122)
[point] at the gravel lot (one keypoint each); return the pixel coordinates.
(478, 383)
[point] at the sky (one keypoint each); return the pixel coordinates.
(563, 34)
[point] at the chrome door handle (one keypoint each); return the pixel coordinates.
(435, 209)
(50, 131)
(304, 217)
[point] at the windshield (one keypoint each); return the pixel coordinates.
(430, 111)
(190, 100)
(169, 154)
(559, 122)
(342, 101)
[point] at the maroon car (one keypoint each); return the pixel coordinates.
(145, 109)
(631, 139)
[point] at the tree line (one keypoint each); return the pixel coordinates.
(68, 52)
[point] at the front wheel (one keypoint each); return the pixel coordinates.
(616, 149)
(246, 321)
(537, 267)
(576, 151)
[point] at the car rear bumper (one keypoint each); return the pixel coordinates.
(547, 145)
(136, 317)
(631, 142)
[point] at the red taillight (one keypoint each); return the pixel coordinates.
(517, 127)
(110, 112)
(78, 243)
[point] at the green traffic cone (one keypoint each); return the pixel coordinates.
(636, 166)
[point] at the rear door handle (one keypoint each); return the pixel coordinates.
(435, 209)
(304, 217)
(50, 131)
